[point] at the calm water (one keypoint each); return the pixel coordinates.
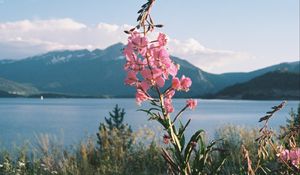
(72, 119)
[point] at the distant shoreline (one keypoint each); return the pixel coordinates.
(55, 96)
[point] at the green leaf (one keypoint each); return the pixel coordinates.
(154, 109)
(219, 166)
(144, 110)
(159, 25)
(182, 140)
(145, 5)
(131, 30)
(152, 102)
(169, 159)
(163, 122)
(139, 17)
(140, 11)
(153, 116)
(197, 164)
(189, 147)
(182, 128)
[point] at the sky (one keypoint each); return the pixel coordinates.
(217, 36)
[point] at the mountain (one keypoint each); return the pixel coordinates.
(80, 72)
(10, 88)
(272, 85)
(208, 83)
(100, 73)
(6, 94)
(224, 80)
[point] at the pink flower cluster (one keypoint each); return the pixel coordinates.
(191, 103)
(291, 155)
(149, 66)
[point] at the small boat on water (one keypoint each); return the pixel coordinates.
(42, 98)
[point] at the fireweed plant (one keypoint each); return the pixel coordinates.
(149, 68)
(287, 159)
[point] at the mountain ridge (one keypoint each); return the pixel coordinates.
(267, 86)
(90, 73)
(16, 89)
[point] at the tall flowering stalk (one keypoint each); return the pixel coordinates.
(154, 75)
(269, 150)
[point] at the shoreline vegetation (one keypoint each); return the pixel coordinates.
(118, 150)
(208, 97)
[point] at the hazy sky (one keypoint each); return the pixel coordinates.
(216, 35)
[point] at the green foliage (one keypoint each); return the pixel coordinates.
(115, 136)
(117, 153)
(182, 157)
(256, 151)
(116, 119)
(232, 138)
(145, 160)
(291, 131)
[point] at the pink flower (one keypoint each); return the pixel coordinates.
(191, 103)
(132, 61)
(138, 40)
(146, 74)
(291, 155)
(285, 154)
(138, 43)
(163, 53)
(176, 84)
(144, 86)
(168, 105)
(131, 78)
(151, 74)
(169, 94)
(160, 58)
(160, 81)
(186, 82)
(166, 139)
(140, 96)
(148, 64)
(153, 77)
(173, 69)
(129, 53)
(162, 39)
(295, 157)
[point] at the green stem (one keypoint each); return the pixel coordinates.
(179, 114)
(173, 134)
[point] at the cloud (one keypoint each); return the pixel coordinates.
(206, 58)
(42, 25)
(24, 38)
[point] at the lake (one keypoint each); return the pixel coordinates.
(72, 119)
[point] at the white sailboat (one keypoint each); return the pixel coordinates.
(42, 98)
